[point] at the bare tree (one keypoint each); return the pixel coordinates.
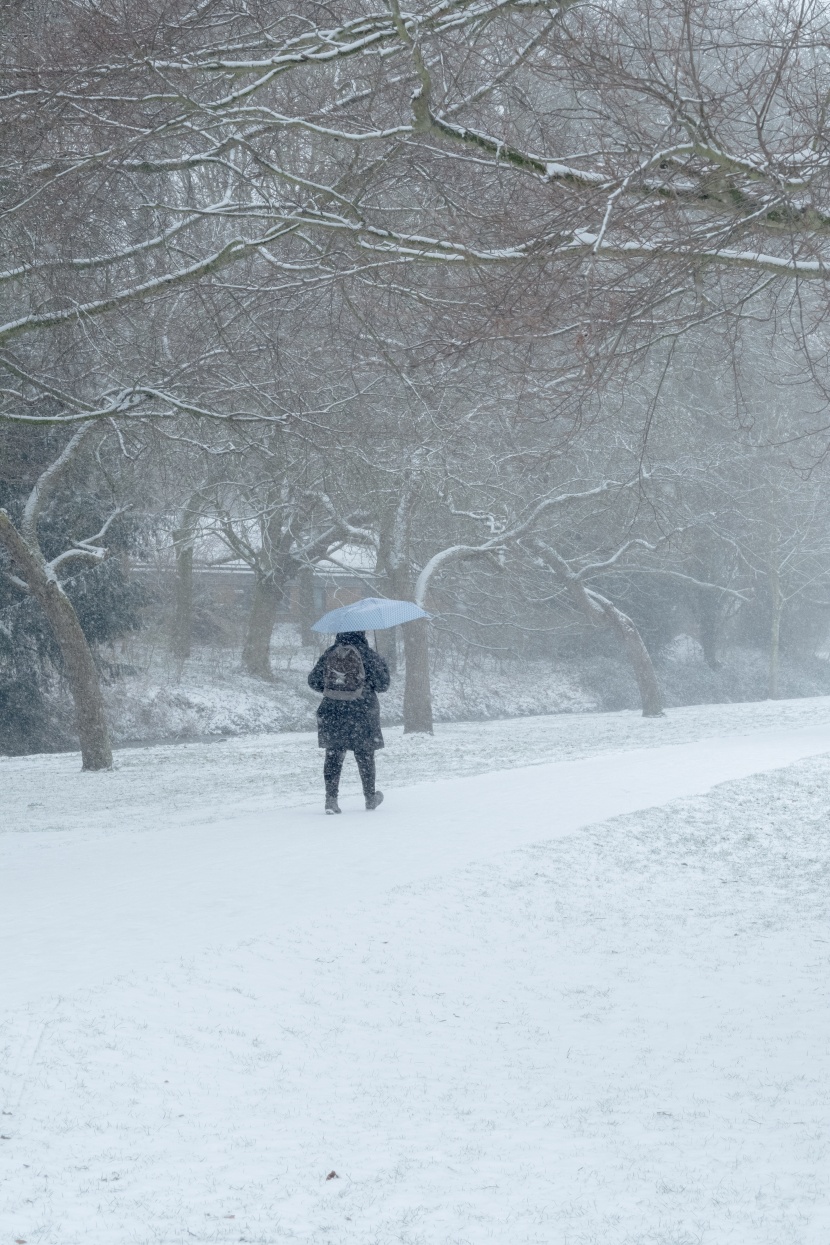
(245, 217)
(453, 140)
(279, 523)
(40, 578)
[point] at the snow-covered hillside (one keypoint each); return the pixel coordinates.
(212, 696)
(209, 695)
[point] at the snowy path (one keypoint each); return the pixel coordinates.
(203, 782)
(494, 1025)
(121, 904)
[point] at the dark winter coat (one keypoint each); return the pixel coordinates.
(344, 724)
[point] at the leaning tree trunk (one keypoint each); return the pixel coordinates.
(183, 619)
(256, 651)
(81, 671)
(82, 676)
(417, 694)
(651, 696)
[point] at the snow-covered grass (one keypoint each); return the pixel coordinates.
(210, 695)
(158, 699)
(743, 674)
(615, 1036)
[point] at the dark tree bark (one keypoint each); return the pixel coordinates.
(256, 651)
(394, 558)
(81, 671)
(417, 689)
(388, 648)
(305, 605)
(651, 697)
(183, 618)
(417, 693)
(709, 623)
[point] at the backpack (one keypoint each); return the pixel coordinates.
(344, 677)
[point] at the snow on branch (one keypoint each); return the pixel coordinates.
(48, 482)
(706, 585)
(18, 583)
(89, 549)
(100, 261)
(508, 534)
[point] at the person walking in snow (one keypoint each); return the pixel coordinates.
(350, 674)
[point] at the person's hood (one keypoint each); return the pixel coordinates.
(352, 637)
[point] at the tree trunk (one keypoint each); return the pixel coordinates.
(651, 696)
(708, 622)
(183, 620)
(394, 556)
(81, 671)
(82, 675)
(256, 651)
(774, 634)
(417, 694)
(305, 605)
(387, 647)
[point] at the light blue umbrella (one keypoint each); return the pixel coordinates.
(370, 614)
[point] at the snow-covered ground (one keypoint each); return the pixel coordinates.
(202, 780)
(554, 1003)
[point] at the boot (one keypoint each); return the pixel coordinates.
(331, 804)
(372, 801)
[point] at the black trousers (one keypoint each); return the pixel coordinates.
(333, 766)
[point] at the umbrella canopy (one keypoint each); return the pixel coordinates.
(370, 614)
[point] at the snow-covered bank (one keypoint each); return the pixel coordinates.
(614, 1034)
(211, 696)
(156, 699)
(215, 698)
